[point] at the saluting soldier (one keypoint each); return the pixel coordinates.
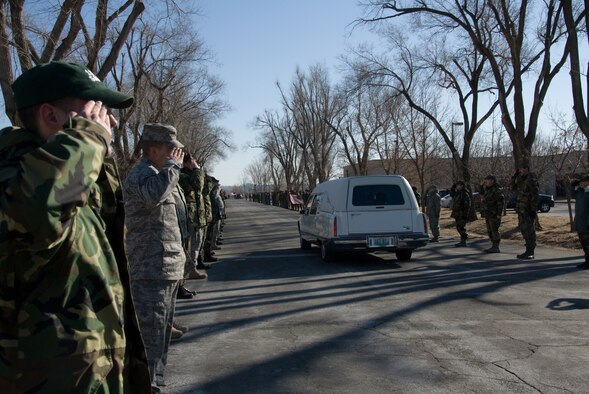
(492, 210)
(154, 240)
(66, 316)
(525, 185)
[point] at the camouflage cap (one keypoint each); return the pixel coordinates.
(55, 80)
(160, 132)
(491, 177)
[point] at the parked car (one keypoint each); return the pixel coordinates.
(367, 213)
(446, 201)
(545, 202)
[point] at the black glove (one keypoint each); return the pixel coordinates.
(575, 183)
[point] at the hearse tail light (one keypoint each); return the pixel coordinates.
(335, 226)
(424, 224)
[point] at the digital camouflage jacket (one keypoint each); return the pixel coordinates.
(154, 239)
(63, 308)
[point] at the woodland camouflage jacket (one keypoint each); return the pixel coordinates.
(62, 303)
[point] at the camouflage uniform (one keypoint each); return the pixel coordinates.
(192, 182)
(526, 189)
(492, 210)
(581, 222)
(206, 193)
(432, 209)
(460, 210)
(65, 315)
(218, 211)
(156, 255)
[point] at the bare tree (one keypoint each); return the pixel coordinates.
(27, 41)
(165, 64)
(566, 159)
(365, 119)
(515, 37)
(278, 139)
(312, 104)
(459, 75)
(573, 15)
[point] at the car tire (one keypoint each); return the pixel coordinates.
(326, 253)
(544, 207)
(305, 245)
(404, 254)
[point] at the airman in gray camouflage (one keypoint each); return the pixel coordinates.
(66, 317)
(154, 240)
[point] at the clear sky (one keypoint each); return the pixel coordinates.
(260, 42)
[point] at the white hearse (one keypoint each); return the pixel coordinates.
(363, 213)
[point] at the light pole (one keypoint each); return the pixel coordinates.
(454, 159)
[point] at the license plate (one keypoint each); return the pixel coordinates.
(381, 242)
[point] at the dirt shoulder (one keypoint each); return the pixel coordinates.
(556, 230)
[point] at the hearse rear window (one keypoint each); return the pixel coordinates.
(368, 195)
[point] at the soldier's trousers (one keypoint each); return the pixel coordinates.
(527, 228)
(584, 239)
(461, 227)
(434, 225)
(211, 236)
(197, 239)
(493, 225)
(155, 301)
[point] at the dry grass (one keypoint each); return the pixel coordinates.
(556, 230)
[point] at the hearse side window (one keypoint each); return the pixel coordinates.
(369, 195)
(312, 204)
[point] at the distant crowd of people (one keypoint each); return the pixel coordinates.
(90, 267)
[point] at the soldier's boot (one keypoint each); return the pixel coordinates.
(209, 258)
(527, 255)
(494, 248)
(184, 293)
(434, 239)
(176, 334)
(179, 327)
(202, 265)
(462, 243)
(196, 274)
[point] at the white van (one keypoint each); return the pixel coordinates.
(363, 213)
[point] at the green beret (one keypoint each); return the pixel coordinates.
(55, 80)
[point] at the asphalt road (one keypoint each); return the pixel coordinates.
(272, 318)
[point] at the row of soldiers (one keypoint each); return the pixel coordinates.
(173, 212)
(88, 282)
(524, 183)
